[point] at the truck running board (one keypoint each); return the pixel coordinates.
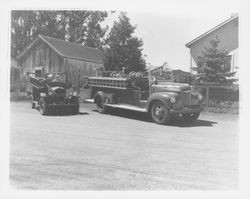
(89, 100)
(126, 106)
(122, 106)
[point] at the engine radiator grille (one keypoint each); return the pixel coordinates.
(189, 99)
(60, 99)
(186, 98)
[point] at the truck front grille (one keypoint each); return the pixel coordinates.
(60, 99)
(186, 98)
(189, 99)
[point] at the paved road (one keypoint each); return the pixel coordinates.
(123, 150)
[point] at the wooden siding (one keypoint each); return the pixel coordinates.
(76, 69)
(41, 55)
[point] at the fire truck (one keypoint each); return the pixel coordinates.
(51, 91)
(140, 91)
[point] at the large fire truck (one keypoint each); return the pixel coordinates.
(140, 91)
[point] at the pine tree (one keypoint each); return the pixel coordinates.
(213, 65)
(123, 49)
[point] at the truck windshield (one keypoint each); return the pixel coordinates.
(166, 76)
(54, 78)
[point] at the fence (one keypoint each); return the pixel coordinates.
(216, 95)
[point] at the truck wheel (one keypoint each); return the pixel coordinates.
(190, 117)
(43, 107)
(33, 105)
(160, 113)
(76, 108)
(101, 108)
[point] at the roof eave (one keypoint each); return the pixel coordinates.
(56, 50)
(27, 48)
(83, 59)
(209, 31)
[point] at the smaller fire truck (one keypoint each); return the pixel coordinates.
(139, 91)
(50, 91)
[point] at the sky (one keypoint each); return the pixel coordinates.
(166, 26)
(165, 35)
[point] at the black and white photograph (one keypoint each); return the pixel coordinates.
(125, 97)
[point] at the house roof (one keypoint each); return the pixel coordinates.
(68, 49)
(211, 30)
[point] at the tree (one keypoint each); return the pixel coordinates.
(214, 65)
(81, 27)
(122, 48)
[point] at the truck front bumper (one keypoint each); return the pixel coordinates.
(191, 109)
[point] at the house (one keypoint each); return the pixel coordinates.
(54, 55)
(227, 33)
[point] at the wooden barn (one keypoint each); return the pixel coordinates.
(54, 55)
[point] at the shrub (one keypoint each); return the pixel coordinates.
(19, 96)
(19, 85)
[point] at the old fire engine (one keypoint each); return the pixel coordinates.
(140, 91)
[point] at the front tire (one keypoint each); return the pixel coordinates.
(76, 109)
(33, 105)
(190, 117)
(43, 107)
(160, 113)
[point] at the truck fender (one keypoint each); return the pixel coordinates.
(163, 97)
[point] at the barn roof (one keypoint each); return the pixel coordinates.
(211, 30)
(68, 49)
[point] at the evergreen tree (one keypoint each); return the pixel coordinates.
(214, 65)
(122, 48)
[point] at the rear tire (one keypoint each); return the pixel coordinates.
(33, 105)
(101, 108)
(43, 107)
(190, 117)
(160, 113)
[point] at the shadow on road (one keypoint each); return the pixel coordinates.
(181, 123)
(176, 121)
(64, 113)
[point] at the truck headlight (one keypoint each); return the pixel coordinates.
(50, 93)
(42, 94)
(172, 100)
(74, 93)
(200, 97)
(69, 92)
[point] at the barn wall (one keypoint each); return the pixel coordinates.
(41, 55)
(77, 69)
